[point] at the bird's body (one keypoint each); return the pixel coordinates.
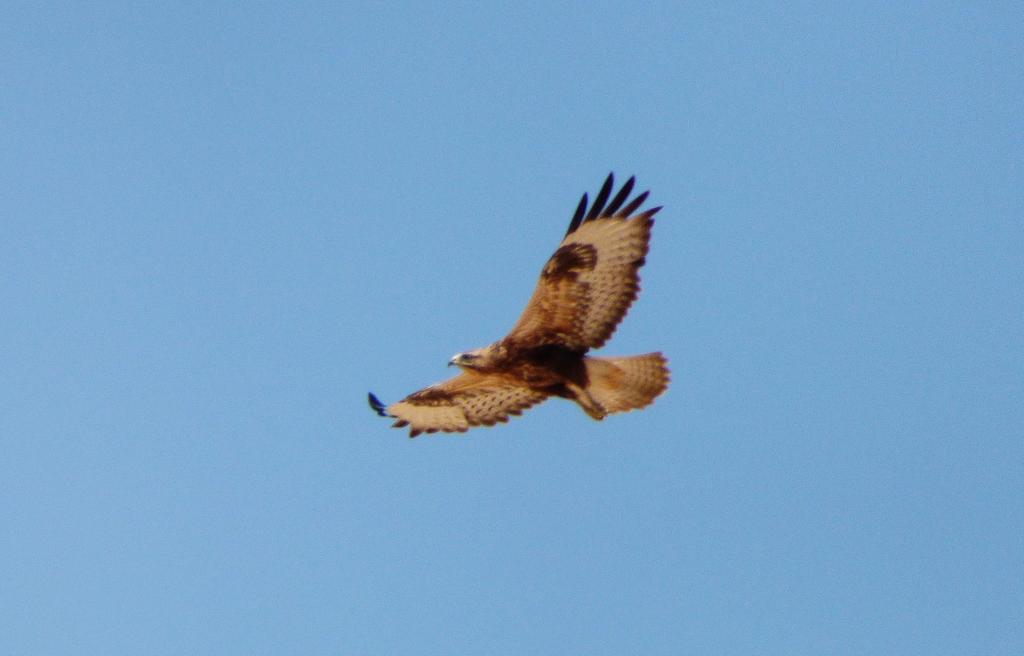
(585, 289)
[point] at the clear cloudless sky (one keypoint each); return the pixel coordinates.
(221, 224)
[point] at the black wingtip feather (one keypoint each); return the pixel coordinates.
(620, 197)
(577, 218)
(615, 208)
(601, 198)
(376, 405)
(633, 204)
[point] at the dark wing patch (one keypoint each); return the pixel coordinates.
(569, 261)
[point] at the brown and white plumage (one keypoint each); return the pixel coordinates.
(469, 399)
(584, 291)
(587, 286)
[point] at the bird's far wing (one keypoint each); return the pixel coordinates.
(469, 399)
(589, 283)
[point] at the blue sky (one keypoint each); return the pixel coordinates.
(221, 225)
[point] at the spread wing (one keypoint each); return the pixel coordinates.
(469, 399)
(589, 283)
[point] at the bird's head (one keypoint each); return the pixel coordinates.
(469, 360)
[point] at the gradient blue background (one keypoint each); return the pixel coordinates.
(220, 225)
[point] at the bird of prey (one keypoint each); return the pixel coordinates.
(584, 290)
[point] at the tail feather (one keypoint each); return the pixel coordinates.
(626, 383)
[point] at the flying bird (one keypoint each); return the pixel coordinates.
(584, 290)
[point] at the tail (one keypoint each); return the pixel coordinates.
(621, 384)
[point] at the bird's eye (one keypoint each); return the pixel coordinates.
(468, 356)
